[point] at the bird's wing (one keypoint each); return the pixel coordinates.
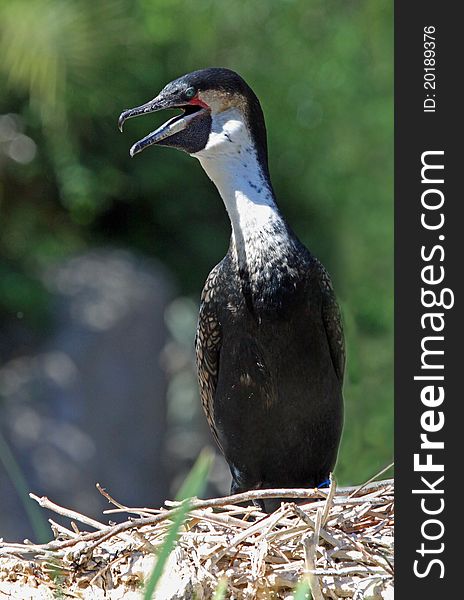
(208, 347)
(332, 320)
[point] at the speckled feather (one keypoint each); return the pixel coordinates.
(208, 349)
(332, 322)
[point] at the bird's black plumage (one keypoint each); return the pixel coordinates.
(269, 345)
(271, 375)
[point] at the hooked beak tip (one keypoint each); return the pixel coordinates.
(134, 112)
(121, 120)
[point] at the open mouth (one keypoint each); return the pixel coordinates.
(174, 125)
(188, 109)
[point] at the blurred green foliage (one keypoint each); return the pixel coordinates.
(323, 72)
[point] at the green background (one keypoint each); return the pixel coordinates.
(323, 72)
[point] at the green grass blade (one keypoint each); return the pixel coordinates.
(36, 519)
(302, 591)
(221, 589)
(192, 486)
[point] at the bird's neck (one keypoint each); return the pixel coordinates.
(258, 228)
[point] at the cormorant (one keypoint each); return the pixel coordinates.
(269, 344)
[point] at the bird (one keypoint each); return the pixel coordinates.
(269, 345)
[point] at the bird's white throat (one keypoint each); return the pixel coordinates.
(231, 162)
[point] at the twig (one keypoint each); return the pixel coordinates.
(307, 519)
(329, 500)
(369, 481)
(310, 545)
(44, 502)
(110, 499)
(60, 530)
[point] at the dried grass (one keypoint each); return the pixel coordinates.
(340, 540)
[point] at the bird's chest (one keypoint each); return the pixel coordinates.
(267, 358)
(268, 289)
(269, 354)
(266, 317)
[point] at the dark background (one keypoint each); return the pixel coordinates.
(102, 258)
(415, 133)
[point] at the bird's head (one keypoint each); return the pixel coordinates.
(219, 113)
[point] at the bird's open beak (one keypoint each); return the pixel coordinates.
(171, 127)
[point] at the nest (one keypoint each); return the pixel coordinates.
(339, 540)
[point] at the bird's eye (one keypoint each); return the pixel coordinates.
(190, 92)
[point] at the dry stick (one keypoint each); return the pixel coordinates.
(75, 528)
(141, 538)
(365, 485)
(336, 542)
(219, 519)
(372, 486)
(111, 531)
(344, 501)
(329, 501)
(323, 534)
(360, 548)
(122, 508)
(261, 495)
(268, 525)
(60, 530)
(135, 511)
(44, 502)
(298, 493)
(106, 567)
(110, 499)
(310, 546)
(269, 522)
(351, 571)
